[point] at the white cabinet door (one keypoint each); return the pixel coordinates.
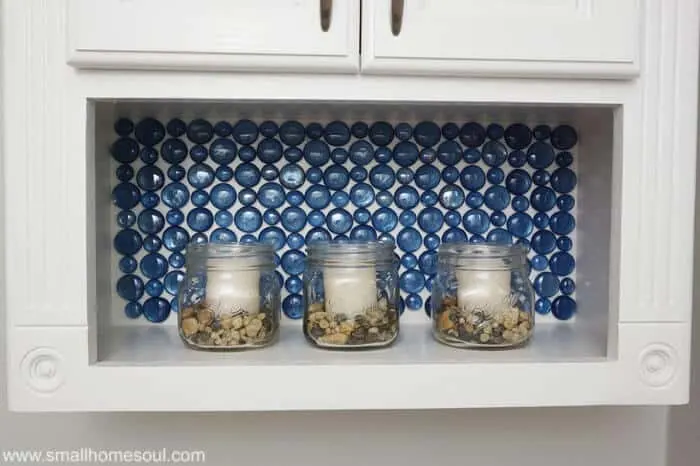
(544, 38)
(285, 35)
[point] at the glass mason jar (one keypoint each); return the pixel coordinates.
(351, 295)
(482, 296)
(230, 298)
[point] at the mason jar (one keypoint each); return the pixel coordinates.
(482, 296)
(230, 298)
(351, 295)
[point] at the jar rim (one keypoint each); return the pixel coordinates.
(351, 253)
(229, 249)
(482, 250)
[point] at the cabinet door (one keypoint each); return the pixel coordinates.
(214, 34)
(544, 38)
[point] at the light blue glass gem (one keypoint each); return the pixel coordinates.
(362, 216)
(543, 306)
(294, 285)
(382, 177)
(126, 218)
(340, 199)
(293, 262)
(451, 197)
(431, 241)
(336, 177)
(406, 197)
(271, 217)
(567, 286)
(427, 177)
(497, 198)
(223, 196)
(454, 235)
(295, 198)
(337, 133)
(412, 281)
(222, 235)
(128, 264)
(293, 219)
(384, 220)
(200, 198)
(428, 262)
(520, 203)
(546, 284)
(316, 153)
(339, 155)
(541, 177)
(223, 173)
(358, 174)
(292, 133)
(450, 174)
(150, 178)
(314, 175)
(414, 302)
(133, 310)
(249, 239)
(476, 221)
(474, 200)
(563, 308)
(274, 236)
(430, 220)
(154, 288)
(175, 195)
(292, 176)
(339, 221)
(200, 175)
(404, 175)
(175, 238)
(295, 241)
(293, 154)
(543, 242)
(317, 234)
(151, 221)
(318, 197)
(248, 219)
(564, 243)
(363, 233)
(539, 262)
(541, 220)
(429, 198)
(477, 239)
(520, 225)
(384, 198)
(494, 153)
(409, 261)
(562, 223)
(316, 218)
(452, 218)
(127, 242)
(130, 287)
(408, 239)
(563, 180)
(498, 218)
(293, 307)
(223, 218)
(473, 178)
(518, 181)
(176, 260)
(271, 195)
(247, 196)
(499, 236)
(386, 238)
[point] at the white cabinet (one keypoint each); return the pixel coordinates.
(502, 37)
(213, 35)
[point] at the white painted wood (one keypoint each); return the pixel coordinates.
(212, 35)
(544, 38)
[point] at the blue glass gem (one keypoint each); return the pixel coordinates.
(414, 302)
(518, 181)
(317, 234)
(123, 126)
(384, 220)
(271, 217)
(358, 174)
(336, 177)
(339, 155)
(451, 197)
(450, 131)
(271, 195)
(562, 263)
(563, 180)
(428, 155)
(154, 288)
(295, 241)
(409, 261)
(427, 133)
(454, 235)
(199, 153)
(270, 150)
(562, 223)
(499, 236)
(543, 306)
(473, 178)
(269, 129)
(567, 286)
(431, 241)
(428, 306)
(223, 196)
(149, 131)
(223, 218)
(382, 177)
(295, 198)
(200, 131)
(412, 281)
(150, 199)
(224, 173)
(495, 175)
(150, 178)
(130, 287)
(292, 133)
(540, 155)
(247, 154)
(564, 159)
(430, 220)
(247, 175)
(405, 153)
(274, 236)
(294, 285)
(337, 133)
(245, 132)
(318, 196)
(427, 177)
(428, 262)
(498, 218)
(154, 265)
(495, 131)
(247, 196)
(314, 130)
(340, 199)
(172, 281)
(293, 154)
(546, 284)
(541, 132)
(339, 221)
(564, 137)
(292, 176)
(223, 129)
(404, 175)
(564, 243)
(125, 172)
(518, 136)
(563, 308)
(383, 155)
(362, 216)
(494, 153)
(200, 175)
(476, 221)
(363, 233)
(126, 195)
(520, 203)
(429, 198)
(539, 262)
(200, 219)
(293, 262)
(474, 200)
(497, 198)
(362, 195)
(543, 199)
(176, 260)
(223, 151)
(381, 133)
(293, 306)
(540, 177)
(403, 131)
(566, 202)
(450, 174)
(293, 219)
(250, 239)
(149, 155)
(452, 218)
(151, 221)
(127, 242)
(517, 159)
(543, 242)
(176, 127)
(472, 155)
(541, 220)
(359, 129)
(247, 219)
(406, 197)
(316, 218)
(361, 152)
(127, 264)
(175, 238)
(408, 239)
(520, 225)
(472, 134)
(200, 198)
(316, 153)
(156, 309)
(177, 172)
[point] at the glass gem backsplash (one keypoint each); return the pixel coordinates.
(288, 183)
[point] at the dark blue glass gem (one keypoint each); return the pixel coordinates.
(405, 175)
(293, 306)
(359, 129)
(269, 172)
(405, 153)
(473, 178)
(475, 199)
(271, 195)
(567, 286)
(128, 264)
(293, 219)
(149, 131)
(520, 225)
(381, 133)
(336, 177)
(495, 131)
(429, 198)
(200, 219)
(362, 195)
(223, 129)
(540, 177)
(499, 236)
(269, 129)
(126, 195)
(295, 198)
(543, 199)
(498, 219)
(543, 242)
(494, 153)
(292, 133)
(314, 130)
(123, 127)
(199, 153)
(564, 159)
(245, 132)
(563, 180)
(176, 260)
(156, 309)
(270, 150)
(150, 178)
(412, 281)
(223, 218)
(518, 181)
(154, 265)
(472, 134)
(476, 221)
(428, 155)
(125, 172)
(127, 242)
(270, 216)
(563, 308)
(543, 306)
(362, 216)
(151, 221)
(358, 174)
(247, 154)
(200, 131)
(294, 285)
(562, 223)
(339, 155)
(293, 262)
(175, 195)
(316, 153)
(200, 198)
(431, 241)
(541, 220)
(403, 131)
(454, 235)
(540, 155)
(223, 151)
(293, 154)
(562, 263)
(130, 287)
(517, 159)
(274, 236)
(408, 239)
(363, 233)
(546, 284)
(148, 155)
(451, 197)
(384, 220)
(223, 196)
(247, 175)
(318, 197)
(564, 243)
(427, 133)
(175, 217)
(564, 137)
(247, 196)
(174, 151)
(337, 133)
(316, 218)
(382, 177)
(406, 197)
(497, 198)
(566, 202)
(149, 200)
(520, 203)
(176, 127)
(427, 177)
(430, 220)
(518, 136)
(495, 175)
(361, 152)
(409, 261)
(295, 241)
(541, 132)
(450, 131)
(450, 174)
(472, 155)
(317, 234)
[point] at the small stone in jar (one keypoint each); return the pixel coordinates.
(253, 327)
(335, 339)
(237, 322)
(205, 316)
(190, 326)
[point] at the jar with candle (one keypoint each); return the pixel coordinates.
(351, 295)
(230, 298)
(482, 296)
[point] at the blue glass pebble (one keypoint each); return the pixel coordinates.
(123, 126)
(472, 134)
(336, 177)
(428, 262)
(495, 176)
(498, 218)
(292, 133)
(381, 133)
(472, 155)
(271, 217)
(172, 281)
(450, 174)
(178, 172)
(247, 154)
(126, 218)
(431, 241)
(517, 159)
(337, 133)
(339, 155)
(176, 127)
(520, 225)
(474, 199)
(427, 177)
(154, 265)
(495, 131)
(429, 198)
(156, 309)
(497, 198)
(292, 176)
(150, 200)
(540, 155)
(518, 181)
(150, 178)
(566, 202)
(454, 235)
(269, 150)
(362, 216)
(295, 241)
(247, 196)
(477, 239)
(358, 174)
(473, 178)
(428, 306)
(430, 220)
(494, 153)
(563, 180)
(314, 130)
(175, 238)
(316, 153)
(543, 242)
(223, 196)
(564, 137)
(200, 131)
(200, 219)
(567, 286)
(414, 302)
(361, 153)
(339, 221)
(316, 218)
(223, 218)
(543, 199)
(274, 236)
(125, 172)
(409, 261)
(128, 264)
(250, 239)
(499, 236)
(245, 132)
(127, 242)
(295, 198)
(405, 153)
(541, 220)
(546, 284)
(269, 129)
(148, 155)
(149, 131)
(403, 131)
(428, 155)
(176, 260)
(539, 262)
(564, 159)
(404, 175)
(151, 221)
(200, 175)
(293, 154)
(317, 234)
(383, 155)
(518, 136)
(564, 243)
(520, 203)
(224, 174)
(451, 197)
(427, 133)
(200, 198)
(293, 307)
(412, 281)
(563, 308)
(199, 153)
(247, 219)
(247, 175)
(359, 129)
(271, 195)
(408, 239)
(130, 287)
(543, 306)
(363, 233)
(382, 177)
(562, 223)
(541, 132)
(476, 221)
(384, 220)
(223, 129)
(294, 285)
(175, 195)
(340, 199)
(293, 262)
(154, 288)
(222, 235)
(452, 218)
(293, 219)
(562, 263)
(450, 131)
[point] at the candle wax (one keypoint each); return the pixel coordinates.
(233, 287)
(349, 290)
(488, 289)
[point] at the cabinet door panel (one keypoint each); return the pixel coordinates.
(504, 37)
(212, 34)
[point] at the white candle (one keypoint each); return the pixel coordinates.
(487, 289)
(349, 290)
(233, 284)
